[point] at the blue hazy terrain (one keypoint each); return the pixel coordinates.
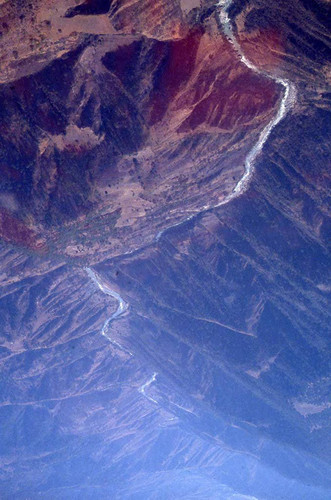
(193, 364)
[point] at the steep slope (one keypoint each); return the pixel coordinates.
(214, 382)
(124, 135)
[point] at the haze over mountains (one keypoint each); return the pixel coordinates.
(118, 121)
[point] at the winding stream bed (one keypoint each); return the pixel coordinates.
(287, 102)
(121, 309)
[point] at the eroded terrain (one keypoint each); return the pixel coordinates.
(214, 380)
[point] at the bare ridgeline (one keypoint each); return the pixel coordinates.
(286, 104)
(164, 249)
(131, 130)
